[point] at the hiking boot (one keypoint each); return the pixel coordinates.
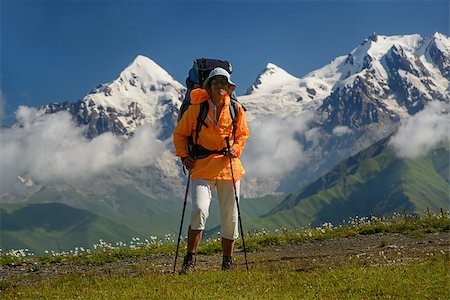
(227, 263)
(188, 264)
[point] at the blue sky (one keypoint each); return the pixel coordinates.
(55, 51)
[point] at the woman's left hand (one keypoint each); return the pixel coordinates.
(230, 153)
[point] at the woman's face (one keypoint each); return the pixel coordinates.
(219, 83)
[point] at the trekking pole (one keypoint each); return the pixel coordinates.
(182, 218)
(237, 203)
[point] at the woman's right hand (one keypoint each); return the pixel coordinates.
(188, 162)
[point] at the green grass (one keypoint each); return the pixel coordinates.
(428, 280)
(415, 227)
(107, 253)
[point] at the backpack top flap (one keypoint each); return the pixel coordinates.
(204, 66)
(198, 74)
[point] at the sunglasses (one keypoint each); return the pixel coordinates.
(219, 81)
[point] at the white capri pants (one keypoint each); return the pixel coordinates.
(201, 194)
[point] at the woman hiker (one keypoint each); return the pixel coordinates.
(214, 170)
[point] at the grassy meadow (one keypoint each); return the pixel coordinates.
(427, 280)
(101, 276)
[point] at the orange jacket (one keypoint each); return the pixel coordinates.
(215, 166)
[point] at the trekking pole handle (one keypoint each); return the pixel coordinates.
(227, 139)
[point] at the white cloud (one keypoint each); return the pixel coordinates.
(52, 148)
(422, 132)
(273, 148)
(341, 130)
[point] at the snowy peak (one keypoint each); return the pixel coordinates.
(399, 74)
(142, 81)
(442, 42)
(438, 52)
(376, 46)
(394, 74)
(147, 71)
(373, 49)
(397, 59)
(400, 56)
(386, 78)
(409, 43)
(271, 77)
(144, 93)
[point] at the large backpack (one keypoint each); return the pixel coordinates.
(197, 75)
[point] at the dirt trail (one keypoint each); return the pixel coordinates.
(367, 250)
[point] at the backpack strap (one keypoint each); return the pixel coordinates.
(203, 113)
(194, 149)
(234, 108)
(234, 112)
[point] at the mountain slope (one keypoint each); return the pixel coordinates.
(374, 182)
(45, 224)
(144, 93)
(55, 226)
(355, 100)
(417, 65)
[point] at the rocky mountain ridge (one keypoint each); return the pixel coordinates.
(144, 93)
(357, 99)
(343, 107)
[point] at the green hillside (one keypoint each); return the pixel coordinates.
(121, 201)
(55, 226)
(124, 204)
(64, 218)
(373, 182)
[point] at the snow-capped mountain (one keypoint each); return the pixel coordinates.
(357, 98)
(144, 93)
(348, 104)
(271, 78)
(398, 76)
(402, 72)
(385, 77)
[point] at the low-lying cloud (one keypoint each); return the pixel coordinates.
(274, 148)
(422, 132)
(52, 148)
(341, 130)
